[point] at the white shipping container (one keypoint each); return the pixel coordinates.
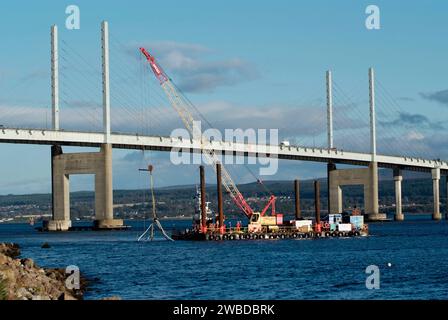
(303, 223)
(358, 221)
(345, 227)
(335, 218)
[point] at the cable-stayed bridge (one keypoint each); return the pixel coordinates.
(101, 116)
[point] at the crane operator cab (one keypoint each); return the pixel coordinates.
(259, 223)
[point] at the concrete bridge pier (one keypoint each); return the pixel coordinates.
(337, 192)
(372, 192)
(436, 190)
(97, 163)
(367, 177)
(60, 196)
(398, 178)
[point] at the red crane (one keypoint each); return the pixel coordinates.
(184, 109)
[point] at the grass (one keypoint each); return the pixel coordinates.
(3, 289)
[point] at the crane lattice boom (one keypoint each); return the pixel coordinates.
(183, 107)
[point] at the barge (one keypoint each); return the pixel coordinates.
(210, 227)
(301, 229)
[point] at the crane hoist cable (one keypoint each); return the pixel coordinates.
(155, 219)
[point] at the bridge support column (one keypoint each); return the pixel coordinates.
(398, 178)
(371, 194)
(97, 163)
(334, 191)
(436, 190)
(104, 212)
(60, 195)
(367, 177)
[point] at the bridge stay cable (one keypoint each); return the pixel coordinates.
(347, 113)
(391, 106)
(400, 145)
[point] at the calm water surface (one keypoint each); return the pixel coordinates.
(276, 269)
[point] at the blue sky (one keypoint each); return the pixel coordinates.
(244, 64)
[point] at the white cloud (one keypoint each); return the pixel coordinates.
(194, 68)
(414, 135)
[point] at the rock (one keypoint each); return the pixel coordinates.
(45, 245)
(28, 263)
(41, 298)
(4, 259)
(23, 293)
(22, 279)
(11, 250)
(8, 275)
(112, 298)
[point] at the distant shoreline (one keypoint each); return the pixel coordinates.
(173, 218)
(24, 221)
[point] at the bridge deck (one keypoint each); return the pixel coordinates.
(135, 141)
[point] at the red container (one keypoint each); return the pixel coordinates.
(279, 219)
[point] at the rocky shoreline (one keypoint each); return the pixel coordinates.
(23, 279)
